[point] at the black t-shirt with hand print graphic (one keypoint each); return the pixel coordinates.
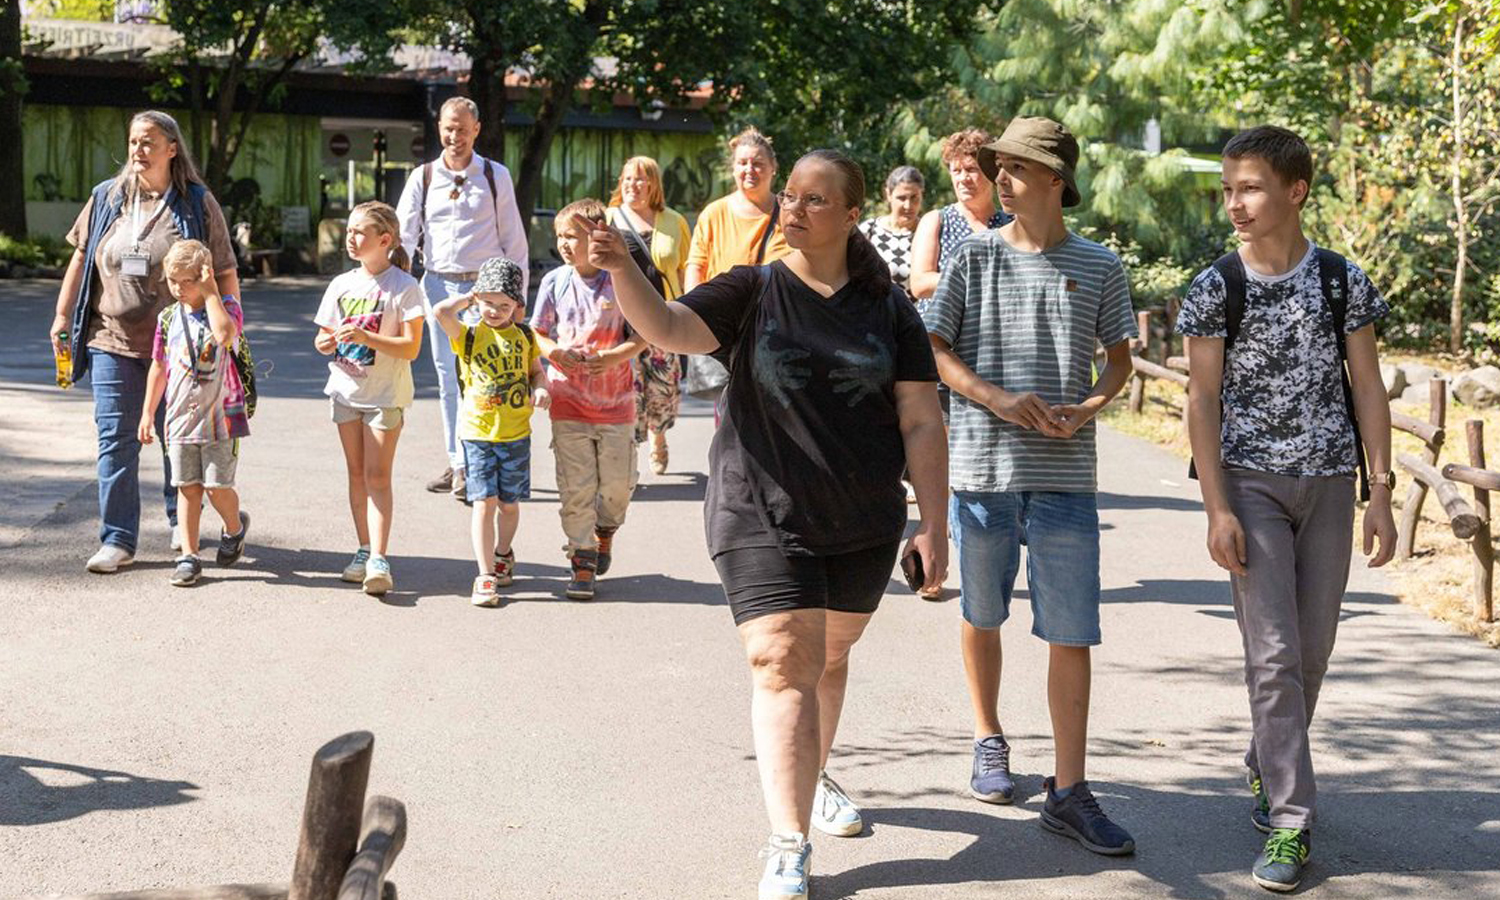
(808, 456)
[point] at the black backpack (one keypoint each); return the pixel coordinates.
(1333, 273)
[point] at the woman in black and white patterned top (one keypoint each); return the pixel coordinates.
(892, 233)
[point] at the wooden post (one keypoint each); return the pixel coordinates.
(1143, 347)
(384, 835)
(1484, 550)
(331, 817)
(1411, 511)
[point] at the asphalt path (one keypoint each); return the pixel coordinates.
(157, 736)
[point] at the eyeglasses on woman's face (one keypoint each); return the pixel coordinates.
(813, 203)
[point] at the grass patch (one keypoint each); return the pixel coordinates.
(1439, 577)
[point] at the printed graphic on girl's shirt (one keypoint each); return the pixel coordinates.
(364, 313)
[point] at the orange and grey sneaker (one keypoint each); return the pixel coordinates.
(585, 567)
(505, 568)
(606, 539)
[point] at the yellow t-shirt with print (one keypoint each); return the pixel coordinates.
(494, 366)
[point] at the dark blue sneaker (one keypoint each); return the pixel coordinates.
(1079, 817)
(1260, 813)
(1280, 865)
(991, 781)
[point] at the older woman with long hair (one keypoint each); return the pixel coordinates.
(660, 234)
(111, 295)
(831, 392)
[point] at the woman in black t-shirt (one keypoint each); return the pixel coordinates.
(832, 391)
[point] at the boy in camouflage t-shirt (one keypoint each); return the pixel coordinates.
(1275, 451)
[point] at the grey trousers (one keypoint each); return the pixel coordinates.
(1299, 533)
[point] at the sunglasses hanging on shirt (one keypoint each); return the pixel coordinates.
(457, 189)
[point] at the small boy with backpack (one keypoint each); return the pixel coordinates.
(196, 361)
(589, 347)
(1286, 403)
(500, 381)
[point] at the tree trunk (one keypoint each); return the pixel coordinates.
(557, 100)
(487, 65)
(12, 87)
(1460, 207)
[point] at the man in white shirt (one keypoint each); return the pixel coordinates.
(459, 210)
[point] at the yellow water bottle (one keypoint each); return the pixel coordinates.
(64, 361)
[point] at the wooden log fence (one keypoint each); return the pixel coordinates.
(346, 846)
(1431, 434)
(1164, 368)
(1482, 481)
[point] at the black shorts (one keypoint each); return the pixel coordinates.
(761, 580)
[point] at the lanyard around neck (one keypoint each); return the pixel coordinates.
(137, 232)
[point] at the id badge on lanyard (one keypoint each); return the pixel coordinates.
(136, 262)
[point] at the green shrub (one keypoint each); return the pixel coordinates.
(42, 251)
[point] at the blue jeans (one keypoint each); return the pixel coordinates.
(1061, 534)
(437, 289)
(119, 384)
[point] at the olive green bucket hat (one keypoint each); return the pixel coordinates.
(1038, 140)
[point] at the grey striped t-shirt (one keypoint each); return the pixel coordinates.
(1027, 322)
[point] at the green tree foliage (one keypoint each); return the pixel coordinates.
(1400, 104)
(1108, 71)
(234, 56)
(814, 73)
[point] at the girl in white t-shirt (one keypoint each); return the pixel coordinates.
(370, 322)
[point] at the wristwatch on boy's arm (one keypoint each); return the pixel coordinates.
(1383, 478)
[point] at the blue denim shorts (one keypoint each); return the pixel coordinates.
(1061, 534)
(497, 469)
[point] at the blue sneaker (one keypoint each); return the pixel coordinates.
(1260, 813)
(833, 812)
(788, 867)
(991, 781)
(1079, 817)
(378, 578)
(1280, 865)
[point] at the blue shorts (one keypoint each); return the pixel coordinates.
(1061, 534)
(498, 469)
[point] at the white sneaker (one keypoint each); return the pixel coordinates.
(110, 559)
(354, 573)
(788, 867)
(833, 812)
(484, 591)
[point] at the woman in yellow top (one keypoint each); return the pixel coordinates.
(740, 229)
(639, 209)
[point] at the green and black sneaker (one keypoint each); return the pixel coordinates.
(1280, 865)
(1260, 813)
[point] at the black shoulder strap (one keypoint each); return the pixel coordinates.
(526, 330)
(765, 239)
(1232, 269)
(489, 177)
(1333, 272)
(422, 211)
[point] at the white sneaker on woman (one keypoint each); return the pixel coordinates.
(788, 867)
(833, 812)
(110, 559)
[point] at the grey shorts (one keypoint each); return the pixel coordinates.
(211, 465)
(387, 419)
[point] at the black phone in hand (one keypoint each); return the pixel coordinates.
(911, 567)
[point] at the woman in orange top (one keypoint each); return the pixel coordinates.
(739, 229)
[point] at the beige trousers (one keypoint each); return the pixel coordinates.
(596, 474)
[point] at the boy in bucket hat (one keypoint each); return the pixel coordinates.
(500, 381)
(1014, 323)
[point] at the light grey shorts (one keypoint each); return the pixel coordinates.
(387, 419)
(211, 465)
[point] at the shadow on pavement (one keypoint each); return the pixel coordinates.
(1134, 501)
(37, 792)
